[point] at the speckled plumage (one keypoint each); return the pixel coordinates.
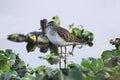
(60, 36)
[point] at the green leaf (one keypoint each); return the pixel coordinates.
(72, 65)
(4, 64)
(21, 65)
(74, 74)
(88, 33)
(56, 19)
(41, 72)
(116, 52)
(106, 54)
(59, 75)
(51, 58)
(90, 78)
(97, 65)
(16, 37)
(77, 32)
(31, 47)
(9, 75)
(11, 56)
(94, 65)
(28, 76)
(3, 61)
(91, 73)
(85, 65)
(11, 62)
(71, 26)
(87, 37)
(100, 64)
(4, 67)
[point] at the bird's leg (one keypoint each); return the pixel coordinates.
(65, 57)
(60, 57)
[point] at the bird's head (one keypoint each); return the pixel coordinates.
(51, 23)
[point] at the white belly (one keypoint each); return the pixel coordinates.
(55, 38)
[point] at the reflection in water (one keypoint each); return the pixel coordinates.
(40, 40)
(37, 39)
(34, 39)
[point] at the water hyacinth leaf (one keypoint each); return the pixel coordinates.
(72, 65)
(4, 65)
(90, 44)
(94, 65)
(4, 61)
(77, 32)
(91, 73)
(86, 63)
(41, 38)
(113, 61)
(97, 65)
(9, 75)
(43, 49)
(118, 53)
(106, 54)
(85, 66)
(42, 72)
(71, 26)
(16, 37)
(90, 34)
(31, 37)
(115, 52)
(12, 62)
(28, 76)
(85, 35)
(116, 42)
(31, 47)
(9, 53)
(74, 74)
(40, 68)
(56, 20)
(21, 65)
(91, 78)
(52, 59)
(100, 64)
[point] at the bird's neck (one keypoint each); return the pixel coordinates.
(52, 27)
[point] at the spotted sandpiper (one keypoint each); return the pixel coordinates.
(61, 37)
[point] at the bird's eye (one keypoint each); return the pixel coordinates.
(50, 24)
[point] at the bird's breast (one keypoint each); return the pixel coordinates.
(55, 38)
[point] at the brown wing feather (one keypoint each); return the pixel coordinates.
(66, 35)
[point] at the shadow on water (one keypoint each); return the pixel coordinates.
(35, 40)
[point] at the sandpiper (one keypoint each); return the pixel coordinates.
(61, 37)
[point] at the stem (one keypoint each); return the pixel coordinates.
(65, 58)
(60, 57)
